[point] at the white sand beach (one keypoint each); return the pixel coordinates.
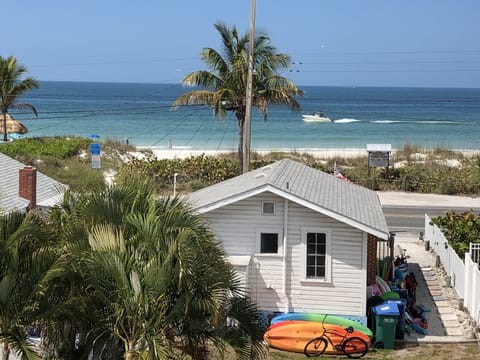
(345, 153)
(316, 153)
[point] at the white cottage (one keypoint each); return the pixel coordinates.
(301, 239)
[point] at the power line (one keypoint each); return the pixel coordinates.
(390, 71)
(393, 52)
(390, 62)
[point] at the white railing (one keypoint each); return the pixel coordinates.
(465, 275)
(472, 288)
(475, 252)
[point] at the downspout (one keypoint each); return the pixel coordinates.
(285, 252)
(364, 275)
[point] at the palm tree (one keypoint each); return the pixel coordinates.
(148, 278)
(224, 86)
(26, 256)
(11, 88)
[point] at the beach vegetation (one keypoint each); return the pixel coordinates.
(36, 147)
(13, 85)
(67, 159)
(224, 87)
(411, 169)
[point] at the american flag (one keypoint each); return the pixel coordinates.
(339, 175)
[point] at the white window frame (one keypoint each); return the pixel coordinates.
(328, 256)
(274, 208)
(270, 230)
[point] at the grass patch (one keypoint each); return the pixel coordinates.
(406, 351)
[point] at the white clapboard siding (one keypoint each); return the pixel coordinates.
(237, 225)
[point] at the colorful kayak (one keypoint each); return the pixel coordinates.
(293, 335)
(328, 319)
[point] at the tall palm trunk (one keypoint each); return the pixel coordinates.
(4, 116)
(240, 114)
(240, 147)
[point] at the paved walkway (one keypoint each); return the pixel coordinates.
(446, 322)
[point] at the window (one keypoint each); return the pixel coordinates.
(317, 261)
(268, 243)
(316, 255)
(268, 208)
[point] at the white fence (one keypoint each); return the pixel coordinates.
(465, 276)
(475, 252)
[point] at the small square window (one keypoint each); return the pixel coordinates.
(268, 243)
(268, 208)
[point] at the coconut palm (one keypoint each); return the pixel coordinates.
(224, 86)
(12, 87)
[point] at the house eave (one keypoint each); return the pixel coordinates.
(292, 197)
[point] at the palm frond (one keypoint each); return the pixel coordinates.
(18, 342)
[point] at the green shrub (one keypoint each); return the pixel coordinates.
(459, 229)
(58, 147)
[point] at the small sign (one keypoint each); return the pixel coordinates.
(379, 155)
(96, 162)
(95, 149)
(95, 153)
(378, 158)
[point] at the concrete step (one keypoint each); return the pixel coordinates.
(451, 324)
(442, 310)
(450, 317)
(455, 331)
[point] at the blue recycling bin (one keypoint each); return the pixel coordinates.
(402, 307)
(386, 319)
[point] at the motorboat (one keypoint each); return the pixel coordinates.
(316, 117)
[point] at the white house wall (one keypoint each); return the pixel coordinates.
(237, 225)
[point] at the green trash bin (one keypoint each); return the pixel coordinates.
(386, 319)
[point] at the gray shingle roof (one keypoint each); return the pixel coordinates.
(322, 192)
(49, 191)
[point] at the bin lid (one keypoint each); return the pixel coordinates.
(397, 301)
(390, 295)
(387, 309)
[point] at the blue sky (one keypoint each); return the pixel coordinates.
(429, 43)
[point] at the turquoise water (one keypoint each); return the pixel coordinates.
(362, 115)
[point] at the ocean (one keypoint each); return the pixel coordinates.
(142, 113)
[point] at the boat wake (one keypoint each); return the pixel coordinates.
(386, 121)
(426, 122)
(345, 121)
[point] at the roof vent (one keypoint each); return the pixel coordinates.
(267, 167)
(260, 175)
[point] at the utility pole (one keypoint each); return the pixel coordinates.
(248, 103)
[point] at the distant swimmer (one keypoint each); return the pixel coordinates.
(170, 144)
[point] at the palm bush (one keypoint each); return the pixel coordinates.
(143, 277)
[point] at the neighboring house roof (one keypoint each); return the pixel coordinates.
(352, 204)
(49, 191)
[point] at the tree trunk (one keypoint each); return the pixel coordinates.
(4, 115)
(130, 352)
(241, 123)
